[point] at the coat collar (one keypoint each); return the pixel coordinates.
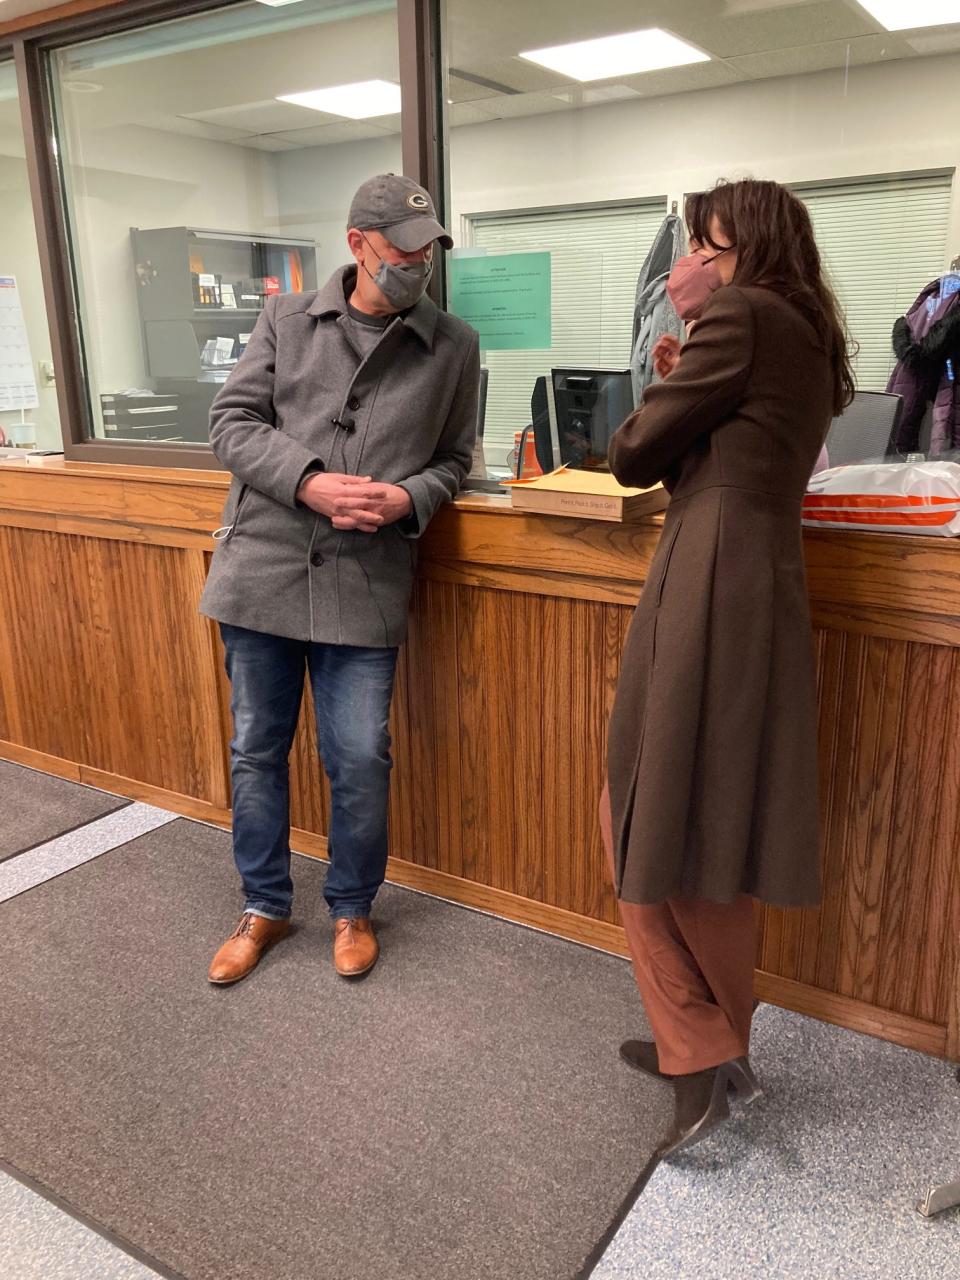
(331, 302)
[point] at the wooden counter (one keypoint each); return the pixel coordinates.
(108, 675)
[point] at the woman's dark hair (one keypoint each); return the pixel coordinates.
(776, 249)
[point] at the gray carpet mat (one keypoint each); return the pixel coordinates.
(460, 1113)
(37, 807)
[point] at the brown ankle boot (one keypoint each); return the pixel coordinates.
(701, 1104)
(642, 1054)
(241, 952)
(355, 948)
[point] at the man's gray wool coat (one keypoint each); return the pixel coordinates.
(283, 569)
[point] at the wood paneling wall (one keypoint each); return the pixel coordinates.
(106, 661)
(888, 928)
(108, 674)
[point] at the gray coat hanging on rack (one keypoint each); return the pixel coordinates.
(653, 313)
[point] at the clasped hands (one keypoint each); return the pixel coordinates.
(354, 502)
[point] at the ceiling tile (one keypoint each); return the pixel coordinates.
(701, 75)
(264, 116)
(729, 30)
(327, 134)
(936, 41)
(822, 57)
(460, 113)
(592, 95)
(516, 73)
(508, 107)
(490, 35)
(459, 90)
(385, 124)
(194, 128)
(265, 142)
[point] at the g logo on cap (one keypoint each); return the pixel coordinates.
(416, 200)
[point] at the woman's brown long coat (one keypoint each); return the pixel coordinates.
(712, 760)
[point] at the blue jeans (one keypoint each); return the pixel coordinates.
(352, 688)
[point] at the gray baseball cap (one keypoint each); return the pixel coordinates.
(400, 209)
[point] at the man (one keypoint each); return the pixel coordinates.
(348, 421)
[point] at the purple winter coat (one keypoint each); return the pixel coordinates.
(928, 362)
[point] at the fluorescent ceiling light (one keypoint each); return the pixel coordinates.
(628, 54)
(276, 4)
(905, 15)
(355, 101)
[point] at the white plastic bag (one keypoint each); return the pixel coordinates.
(886, 497)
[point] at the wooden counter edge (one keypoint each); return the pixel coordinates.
(466, 503)
(901, 587)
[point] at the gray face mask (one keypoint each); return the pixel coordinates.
(401, 286)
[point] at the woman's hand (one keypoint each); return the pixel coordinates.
(666, 353)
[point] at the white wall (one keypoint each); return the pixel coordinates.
(316, 184)
(883, 118)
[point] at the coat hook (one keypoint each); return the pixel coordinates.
(673, 206)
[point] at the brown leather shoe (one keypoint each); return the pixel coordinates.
(355, 947)
(242, 950)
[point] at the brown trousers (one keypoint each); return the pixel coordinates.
(693, 962)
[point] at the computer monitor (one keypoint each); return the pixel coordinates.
(544, 428)
(482, 402)
(589, 405)
(477, 478)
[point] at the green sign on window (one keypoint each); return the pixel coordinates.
(505, 297)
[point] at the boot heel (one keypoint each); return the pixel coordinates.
(719, 1103)
(739, 1073)
(718, 1110)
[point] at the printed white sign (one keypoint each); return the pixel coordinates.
(18, 390)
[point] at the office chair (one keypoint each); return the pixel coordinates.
(866, 431)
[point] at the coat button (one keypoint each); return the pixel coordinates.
(353, 404)
(316, 559)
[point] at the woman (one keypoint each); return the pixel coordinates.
(711, 798)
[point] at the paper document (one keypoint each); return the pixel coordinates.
(18, 390)
(570, 480)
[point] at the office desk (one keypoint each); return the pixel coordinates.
(108, 675)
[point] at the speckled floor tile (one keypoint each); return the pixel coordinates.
(817, 1180)
(40, 1242)
(29, 869)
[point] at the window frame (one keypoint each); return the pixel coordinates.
(30, 42)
